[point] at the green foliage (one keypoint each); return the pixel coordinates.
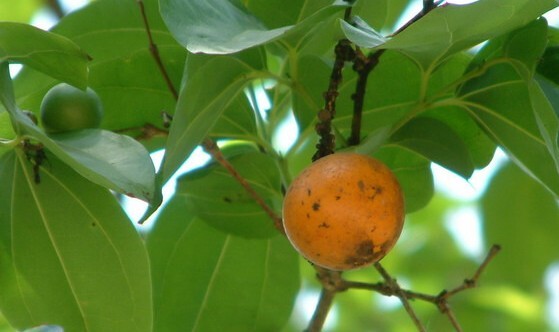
(237, 71)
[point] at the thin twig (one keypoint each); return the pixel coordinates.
(332, 283)
(391, 283)
(55, 6)
(211, 147)
(155, 51)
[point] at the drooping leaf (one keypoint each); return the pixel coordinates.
(500, 100)
(545, 100)
(47, 52)
(206, 280)
(115, 161)
(218, 199)
(204, 97)
(69, 254)
(123, 72)
(453, 28)
(215, 26)
(437, 142)
(518, 214)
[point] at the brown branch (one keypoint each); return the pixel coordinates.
(395, 287)
(326, 143)
(155, 51)
(364, 65)
(332, 283)
(211, 147)
(54, 5)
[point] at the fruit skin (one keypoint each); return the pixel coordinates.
(344, 211)
(66, 108)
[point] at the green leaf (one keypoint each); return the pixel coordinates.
(115, 161)
(545, 97)
(453, 28)
(69, 254)
(202, 101)
(381, 14)
(413, 172)
(218, 199)
(437, 142)
(206, 280)
(123, 71)
(360, 33)
(519, 214)
(215, 26)
(47, 52)
(500, 102)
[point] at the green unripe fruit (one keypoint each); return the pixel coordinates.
(66, 108)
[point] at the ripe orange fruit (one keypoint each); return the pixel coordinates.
(344, 211)
(66, 108)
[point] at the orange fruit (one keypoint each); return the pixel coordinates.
(66, 108)
(344, 211)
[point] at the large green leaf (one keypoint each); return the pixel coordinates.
(437, 142)
(545, 101)
(69, 255)
(123, 71)
(47, 52)
(520, 214)
(218, 198)
(115, 161)
(453, 28)
(501, 103)
(202, 101)
(215, 26)
(500, 97)
(206, 280)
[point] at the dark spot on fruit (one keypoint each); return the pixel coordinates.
(364, 254)
(316, 206)
(308, 216)
(324, 225)
(338, 198)
(308, 192)
(361, 185)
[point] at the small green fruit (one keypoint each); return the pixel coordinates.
(66, 108)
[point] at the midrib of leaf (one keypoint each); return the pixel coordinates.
(211, 282)
(100, 227)
(172, 255)
(107, 237)
(490, 87)
(17, 275)
(28, 177)
(469, 105)
(264, 283)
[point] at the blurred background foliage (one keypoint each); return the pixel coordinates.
(442, 244)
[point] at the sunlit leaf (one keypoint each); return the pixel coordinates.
(47, 52)
(206, 280)
(360, 33)
(203, 99)
(453, 28)
(70, 256)
(215, 26)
